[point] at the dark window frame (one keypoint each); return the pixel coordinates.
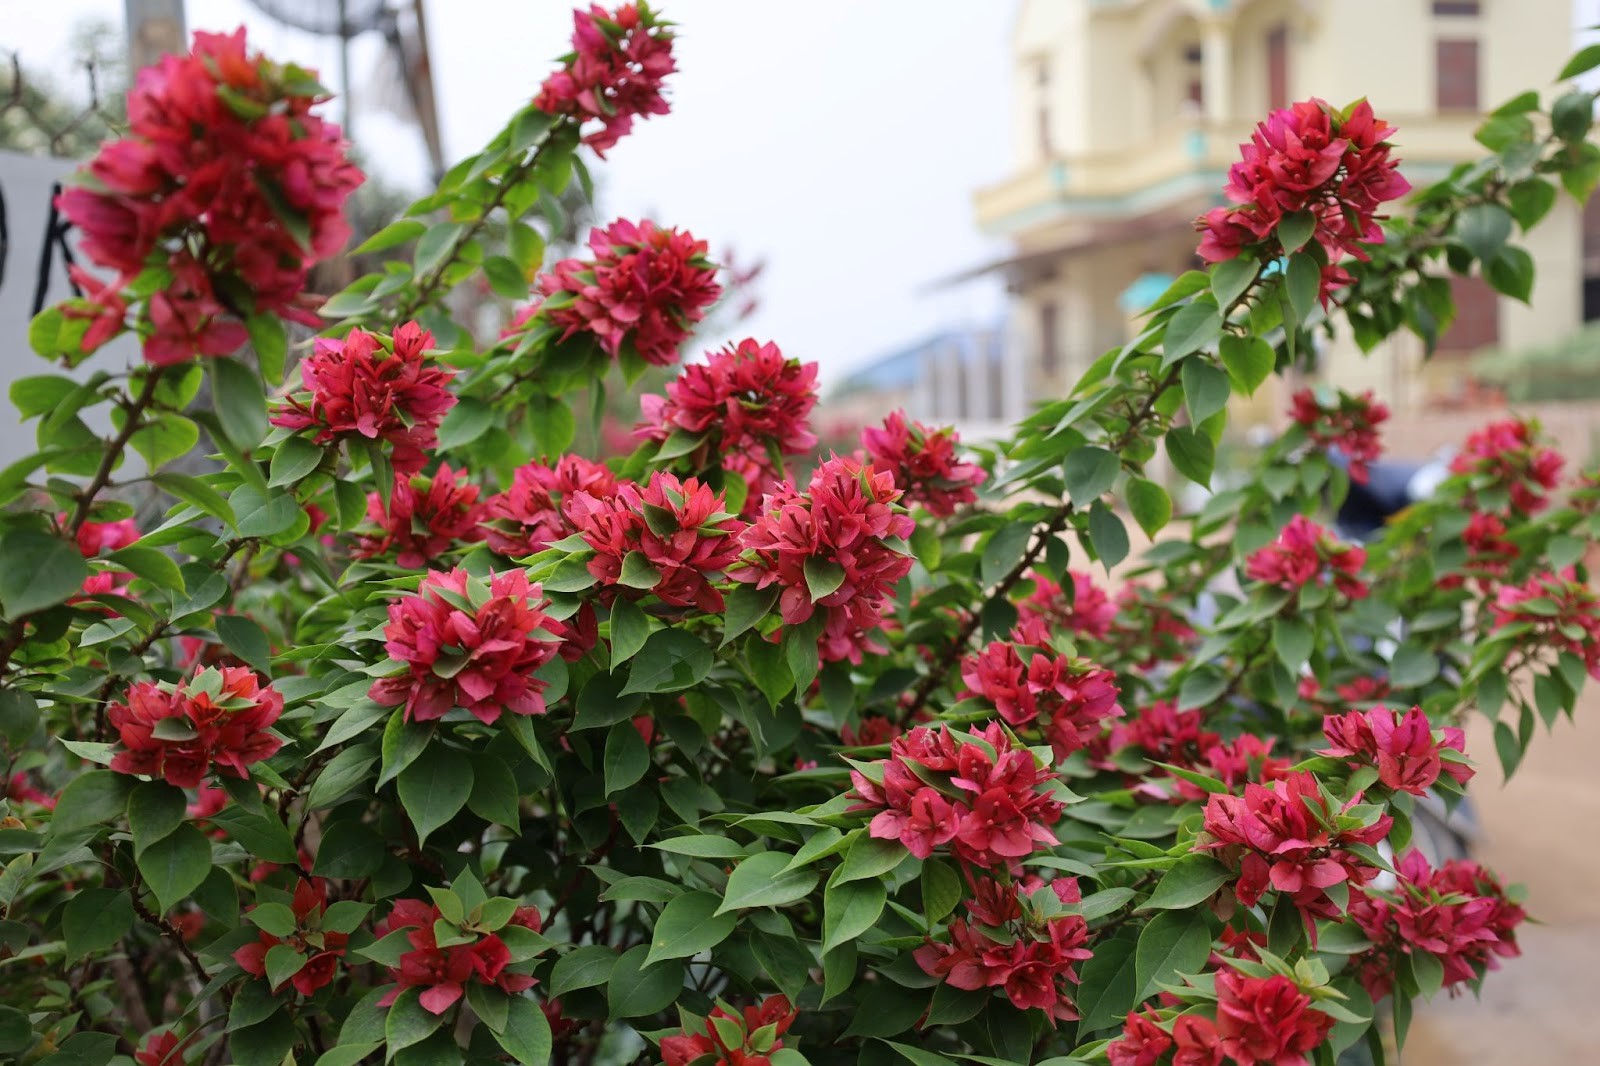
(1458, 74)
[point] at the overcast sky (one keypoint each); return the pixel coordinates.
(838, 140)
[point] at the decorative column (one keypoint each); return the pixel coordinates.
(1216, 69)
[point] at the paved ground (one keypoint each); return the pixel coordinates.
(1543, 830)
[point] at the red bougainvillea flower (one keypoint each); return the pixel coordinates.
(1555, 611)
(1235, 762)
(1196, 1041)
(444, 973)
(1048, 609)
(1006, 942)
(775, 1012)
(1142, 1042)
(1405, 749)
(470, 643)
(162, 1049)
(924, 463)
(427, 517)
(1165, 734)
(526, 518)
(1148, 630)
(220, 719)
(1283, 836)
(645, 287)
(229, 181)
(1267, 1019)
(1067, 700)
(744, 409)
(828, 551)
(1338, 420)
(1489, 552)
(998, 809)
(1506, 457)
(368, 388)
(319, 948)
(1324, 168)
(613, 74)
(1305, 553)
(98, 538)
(874, 729)
(672, 538)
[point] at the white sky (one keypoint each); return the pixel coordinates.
(839, 140)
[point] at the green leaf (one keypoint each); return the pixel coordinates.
(240, 402)
(1483, 229)
(870, 857)
(1205, 389)
(494, 796)
(408, 1022)
(165, 438)
(1196, 326)
(670, 661)
(394, 234)
(941, 890)
(270, 341)
(823, 577)
(527, 247)
(468, 420)
(1089, 474)
(40, 571)
(919, 1056)
(1200, 688)
(97, 797)
(1249, 361)
(764, 880)
(41, 394)
(637, 572)
(505, 278)
(527, 1033)
(1108, 987)
(1150, 505)
(1511, 273)
(247, 640)
(1230, 279)
(197, 493)
(688, 925)
(1508, 747)
(582, 967)
(154, 566)
(1302, 282)
(630, 628)
(1530, 200)
(1192, 454)
(435, 247)
(1292, 639)
(1191, 882)
(94, 919)
(155, 809)
(349, 851)
(626, 759)
(1585, 59)
(745, 606)
(1413, 666)
(1108, 535)
(1004, 550)
(1295, 228)
(19, 716)
(635, 990)
(1175, 942)
(850, 909)
(294, 458)
(435, 787)
(175, 865)
(263, 514)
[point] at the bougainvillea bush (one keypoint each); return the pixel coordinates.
(349, 717)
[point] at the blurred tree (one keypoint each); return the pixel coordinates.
(38, 117)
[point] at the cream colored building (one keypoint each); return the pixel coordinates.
(1128, 113)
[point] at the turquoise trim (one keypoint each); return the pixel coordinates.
(1133, 202)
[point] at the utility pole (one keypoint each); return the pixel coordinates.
(155, 28)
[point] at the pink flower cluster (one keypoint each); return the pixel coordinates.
(1193, 1040)
(988, 808)
(1559, 612)
(614, 73)
(527, 517)
(427, 517)
(1308, 159)
(1348, 423)
(1459, 913)
(1405, 748)
(1283, 836)
(1165, 734)
(679, 536)
(1267, 1020)
(1048, 609)
(367, 388)
(1507, 456)
(98, 538)
(443, 973)
(838, 528)
(470, 643)
(228, 181)
(747, 404)
(924, 463)
(645, 287)
(220, 719)
(1303, 554)
(774, 1012)
(320, 948)
(1068, 701)
(1004, 942)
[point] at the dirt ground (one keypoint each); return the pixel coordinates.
(1543, 830)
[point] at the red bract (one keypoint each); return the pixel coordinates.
(1142, 1042)
(444, 973)
(1147, 630)
(1000, 809)
(1506, 457)
(527, 518)
(1196, 1041)
(1283, 836)
(97, 538)
(229, 182)
(746, 404)
(672, 539)
(1165, 734)
(470, 643)
(1339, 420)
(924, 463)
(645, 287)
(427, 517)
(1553, 611)
(1267, 1020)
(366, 389)
(220, 719)
(162, 1049)
(1327, 169)
(613, 73)
(827, 550)
(1234, 762)
(1405, 749)
(873, 730)
(1006, 943)
(1067, 700)
(1048, 610)
(1303, 554)
(320, 949)
(771, 1019)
